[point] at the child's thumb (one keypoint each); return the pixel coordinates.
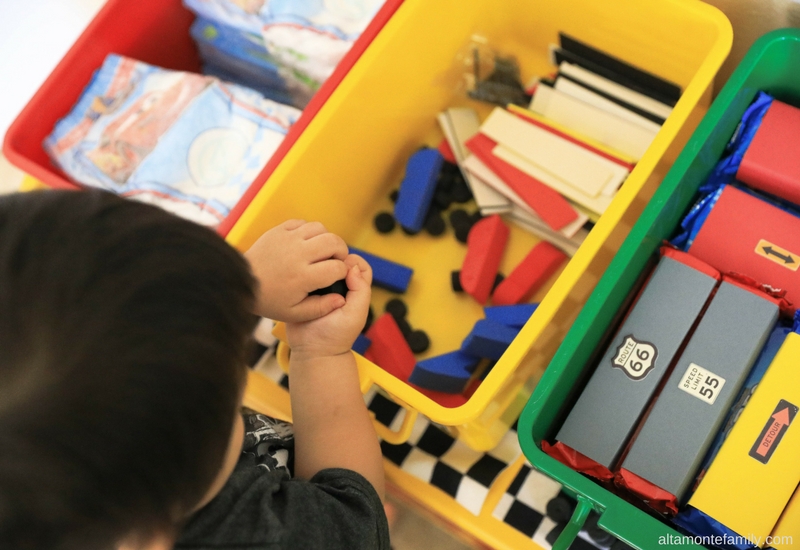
(314, 307)
(358, 288)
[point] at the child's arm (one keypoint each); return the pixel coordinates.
(332, 426)
(291, 260)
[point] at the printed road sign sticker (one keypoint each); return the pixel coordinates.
(701, 383)
(774, 430)
(635, 357)
(779, 255)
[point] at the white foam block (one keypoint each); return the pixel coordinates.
(613, 131)
(574, 165)
(458, 125)
(479, 170)
(619, 91)
(596, 204)
(588, 96)
(544, 232)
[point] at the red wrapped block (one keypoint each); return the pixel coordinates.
(771, 162)
(746, 235)
(580, 463)
(656, 498)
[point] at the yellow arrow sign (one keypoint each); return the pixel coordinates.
(779, 255)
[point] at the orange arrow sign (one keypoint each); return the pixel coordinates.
(773, 432)
(782, 417)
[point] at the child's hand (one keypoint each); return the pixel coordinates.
(335, 333)
(291, 260)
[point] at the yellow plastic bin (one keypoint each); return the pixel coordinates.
(341, 170)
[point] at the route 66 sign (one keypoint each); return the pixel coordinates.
(635, 357)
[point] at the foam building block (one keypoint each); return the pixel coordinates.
(771, 162)
(683, 422)
(747, 235)
(529, 275)
(575, 137)
(362, 344)
(511, 316)
(481, 171)
(607, 128)
(459, 125)
(596, 204)
(548, 203)
(608, 410)
(448, 373)
(581, 92)
(386, 273)
(447, 151)
(613, 89)
(389, 349)
(488, 339)
(575, 166)
(486, 243)
(568, 245)
(757, 469)
(620, 71)
(417, 188)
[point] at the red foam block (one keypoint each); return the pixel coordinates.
(389, 350)
(485, 245)
(771, 162)
(548, 203)
(447, 152)
(541, 262)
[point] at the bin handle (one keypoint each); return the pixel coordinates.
(393, 437)
(575, 524)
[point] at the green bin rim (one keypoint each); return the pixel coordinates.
(618, 517)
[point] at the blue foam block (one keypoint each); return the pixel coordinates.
(488, 339)
(361, 344)
(448, 373)
(386, 273)
(512, 316)
(417, 188)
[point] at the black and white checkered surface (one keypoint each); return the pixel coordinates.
(466, 475)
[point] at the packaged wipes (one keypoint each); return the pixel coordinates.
(189, 143)
(307, 38)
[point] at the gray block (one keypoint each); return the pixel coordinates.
(612, 402)
(701, 389)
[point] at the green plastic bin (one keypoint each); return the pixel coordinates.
(770, 65)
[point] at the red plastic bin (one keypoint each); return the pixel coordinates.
(156, 32)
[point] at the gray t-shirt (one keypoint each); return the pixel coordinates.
(262, 508)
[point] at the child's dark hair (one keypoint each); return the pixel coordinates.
(123, 337)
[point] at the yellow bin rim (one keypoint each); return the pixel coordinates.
(700, 84)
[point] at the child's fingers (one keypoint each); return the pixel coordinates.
(325, 246)
(356, 260)
(292, 224)
(311, 229)
(314, 307)
(325, 273)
